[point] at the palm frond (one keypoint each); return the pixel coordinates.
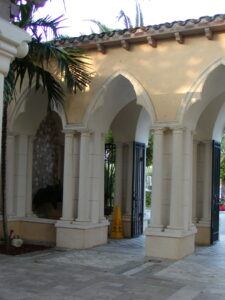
(46, 26)
(126, 19)
(71, 62)
(102, 27)
(139, 15)
(40, 78)
(9, 86)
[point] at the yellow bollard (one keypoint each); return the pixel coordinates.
(117, 226)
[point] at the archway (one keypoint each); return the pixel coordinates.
(205, 115)
(28, 126)
(124, 108)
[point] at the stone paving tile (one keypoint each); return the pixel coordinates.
(113, 271)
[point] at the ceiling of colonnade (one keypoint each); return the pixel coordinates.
(26, 114)
(115, 95)
(207, 114)
(132, 123)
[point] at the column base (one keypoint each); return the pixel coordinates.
(126, 219)
(80, 235)
(203, 236)
(169, 244)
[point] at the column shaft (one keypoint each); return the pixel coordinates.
(76, 155)
(188, 183)
(95, 176)
(157, 179)
(10, 174)
(102, 181)
(68, 201)
(84, 184)
(29, 211)
(176, 200)
(194, 182)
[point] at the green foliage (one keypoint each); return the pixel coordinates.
(149, 151)
(222, 160)
(148, 199)
(102, 27)
(139, 20)
(128, 23)
(109, 137)
(46, 66)
(72, 65)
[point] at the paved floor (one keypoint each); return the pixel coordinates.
(117, 270)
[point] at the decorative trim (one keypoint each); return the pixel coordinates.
(125, 45)
(101, 48)
(190, 27)
(151, 41)
(179, 38)
(208, 33)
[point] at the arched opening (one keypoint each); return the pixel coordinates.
(206, 115)
(123, 110)
(35, 158)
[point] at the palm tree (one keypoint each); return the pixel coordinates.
(36, 70)
(128, 24)
(139, 20)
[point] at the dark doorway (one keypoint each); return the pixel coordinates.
(215, 191)
(109, 166)
(138, 189)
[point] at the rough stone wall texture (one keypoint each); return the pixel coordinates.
(48, 153)
(5, 9)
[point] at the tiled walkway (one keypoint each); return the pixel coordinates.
(117, 270)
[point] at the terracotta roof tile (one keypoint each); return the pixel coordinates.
(160, 31)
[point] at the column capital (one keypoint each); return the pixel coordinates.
(68, 133)
(13, 43)
(158, 130)
(178, 129)
(207, 142)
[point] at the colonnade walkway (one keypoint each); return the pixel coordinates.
(118, 270)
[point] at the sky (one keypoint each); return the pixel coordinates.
(106, 11)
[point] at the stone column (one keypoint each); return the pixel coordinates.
(176, 200)
(157, 179)
(21, 175)
(29, 211)
(95, 176)
(188, 182)
(87, 231)
(10, 175)
(206, 205)
(118, 175)
(194, 183)
(102, 181)
(68, 199)
(76, 156)
(84, 184)
(12, 44)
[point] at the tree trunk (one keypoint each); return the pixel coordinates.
(3, 173)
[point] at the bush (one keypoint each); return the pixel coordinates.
(148, 199)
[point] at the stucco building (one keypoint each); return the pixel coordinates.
(168, 79)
